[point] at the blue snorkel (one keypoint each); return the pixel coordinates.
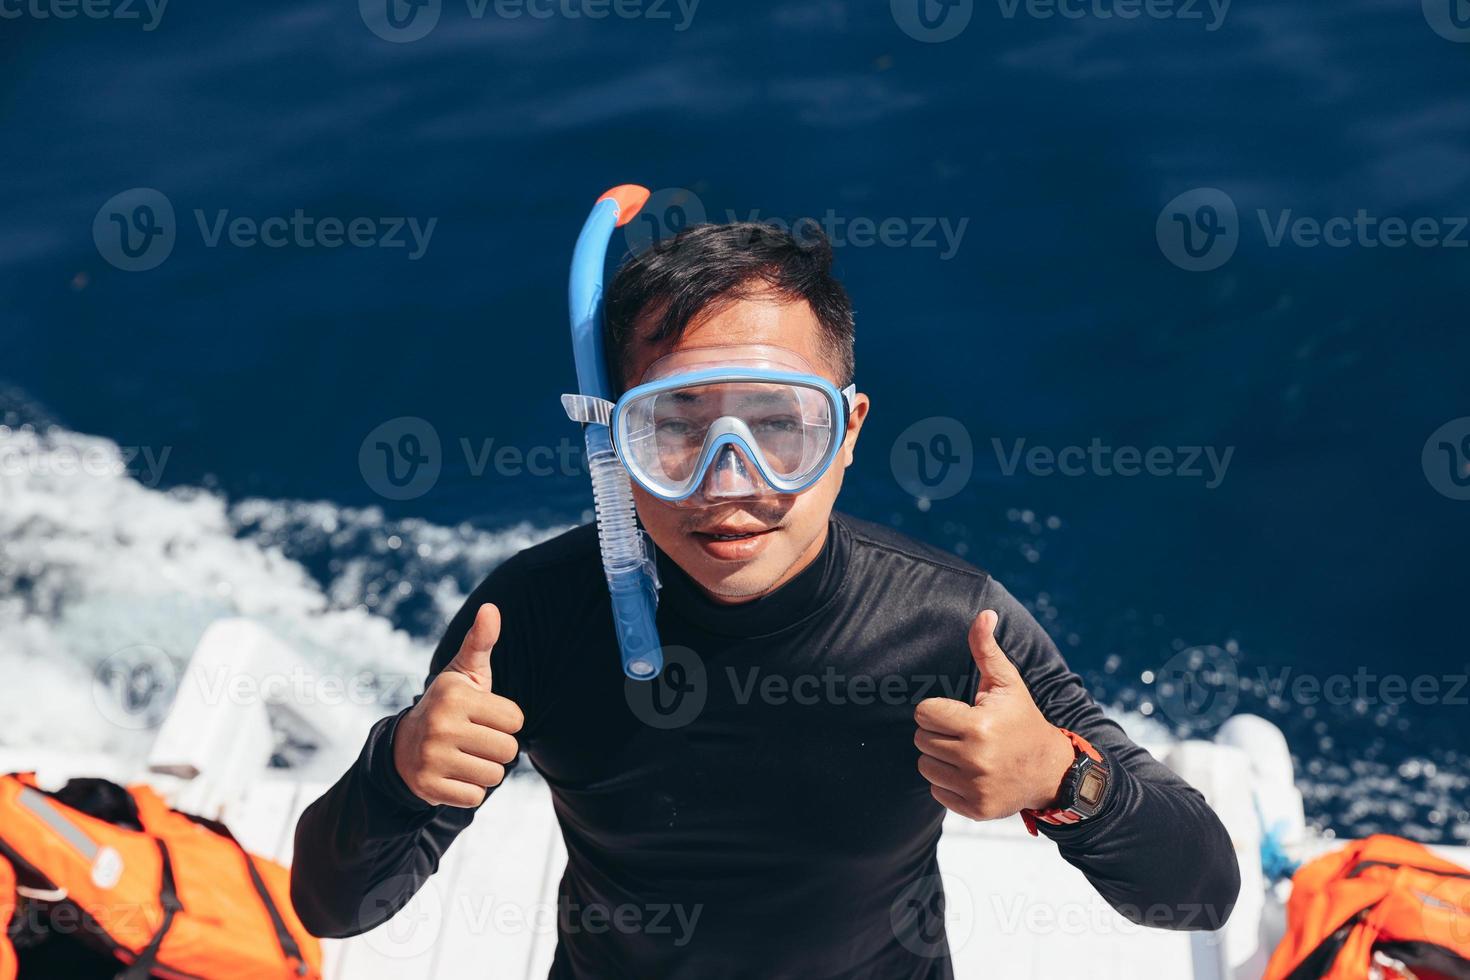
(627, 555)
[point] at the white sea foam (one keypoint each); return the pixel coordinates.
(93, 562)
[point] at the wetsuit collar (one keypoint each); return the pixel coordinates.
(807, 593)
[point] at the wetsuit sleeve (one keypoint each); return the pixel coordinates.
(1157, 853)
(367, 845)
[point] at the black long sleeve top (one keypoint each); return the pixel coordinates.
(757, 811)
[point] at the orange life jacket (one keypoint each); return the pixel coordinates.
(8, 965)
(179, 899)
(1382, 896)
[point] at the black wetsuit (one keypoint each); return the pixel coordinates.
(761, 801)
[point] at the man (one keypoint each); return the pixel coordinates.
(848, 683)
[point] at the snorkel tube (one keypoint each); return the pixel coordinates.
(627, 557)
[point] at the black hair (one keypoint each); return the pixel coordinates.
(677, 279)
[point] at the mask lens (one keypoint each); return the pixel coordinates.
(790, 425)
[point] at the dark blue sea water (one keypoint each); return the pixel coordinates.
(1055, 316)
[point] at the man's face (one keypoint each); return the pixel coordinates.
(788, 530)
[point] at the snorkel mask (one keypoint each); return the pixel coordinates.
(710, 425)
(706, 426)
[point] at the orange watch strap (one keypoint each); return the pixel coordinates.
(1062, 816)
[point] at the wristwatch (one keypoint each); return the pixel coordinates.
(1083, 790)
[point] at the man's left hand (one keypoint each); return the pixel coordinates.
(998, 756)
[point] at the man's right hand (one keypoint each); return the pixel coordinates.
(454, 745)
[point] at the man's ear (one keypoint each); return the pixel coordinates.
(855, 418)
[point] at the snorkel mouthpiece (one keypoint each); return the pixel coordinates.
(627, 555)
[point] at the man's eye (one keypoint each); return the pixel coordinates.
(778, 425)
(675, 428)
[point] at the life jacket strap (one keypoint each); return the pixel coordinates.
(168, 897)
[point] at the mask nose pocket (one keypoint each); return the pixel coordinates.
(731, 476)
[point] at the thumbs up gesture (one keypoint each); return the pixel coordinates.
(456, 742)
(998, 756)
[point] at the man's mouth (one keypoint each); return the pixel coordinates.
(733, 544)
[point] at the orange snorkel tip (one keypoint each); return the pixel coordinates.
(630, 199)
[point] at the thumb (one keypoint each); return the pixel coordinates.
(996, 670)
(473, 657)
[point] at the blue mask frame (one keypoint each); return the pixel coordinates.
(737, 435)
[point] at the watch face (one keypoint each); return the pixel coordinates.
(1090, 789)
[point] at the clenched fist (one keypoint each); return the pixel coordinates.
(454, 745)
(998, 756)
